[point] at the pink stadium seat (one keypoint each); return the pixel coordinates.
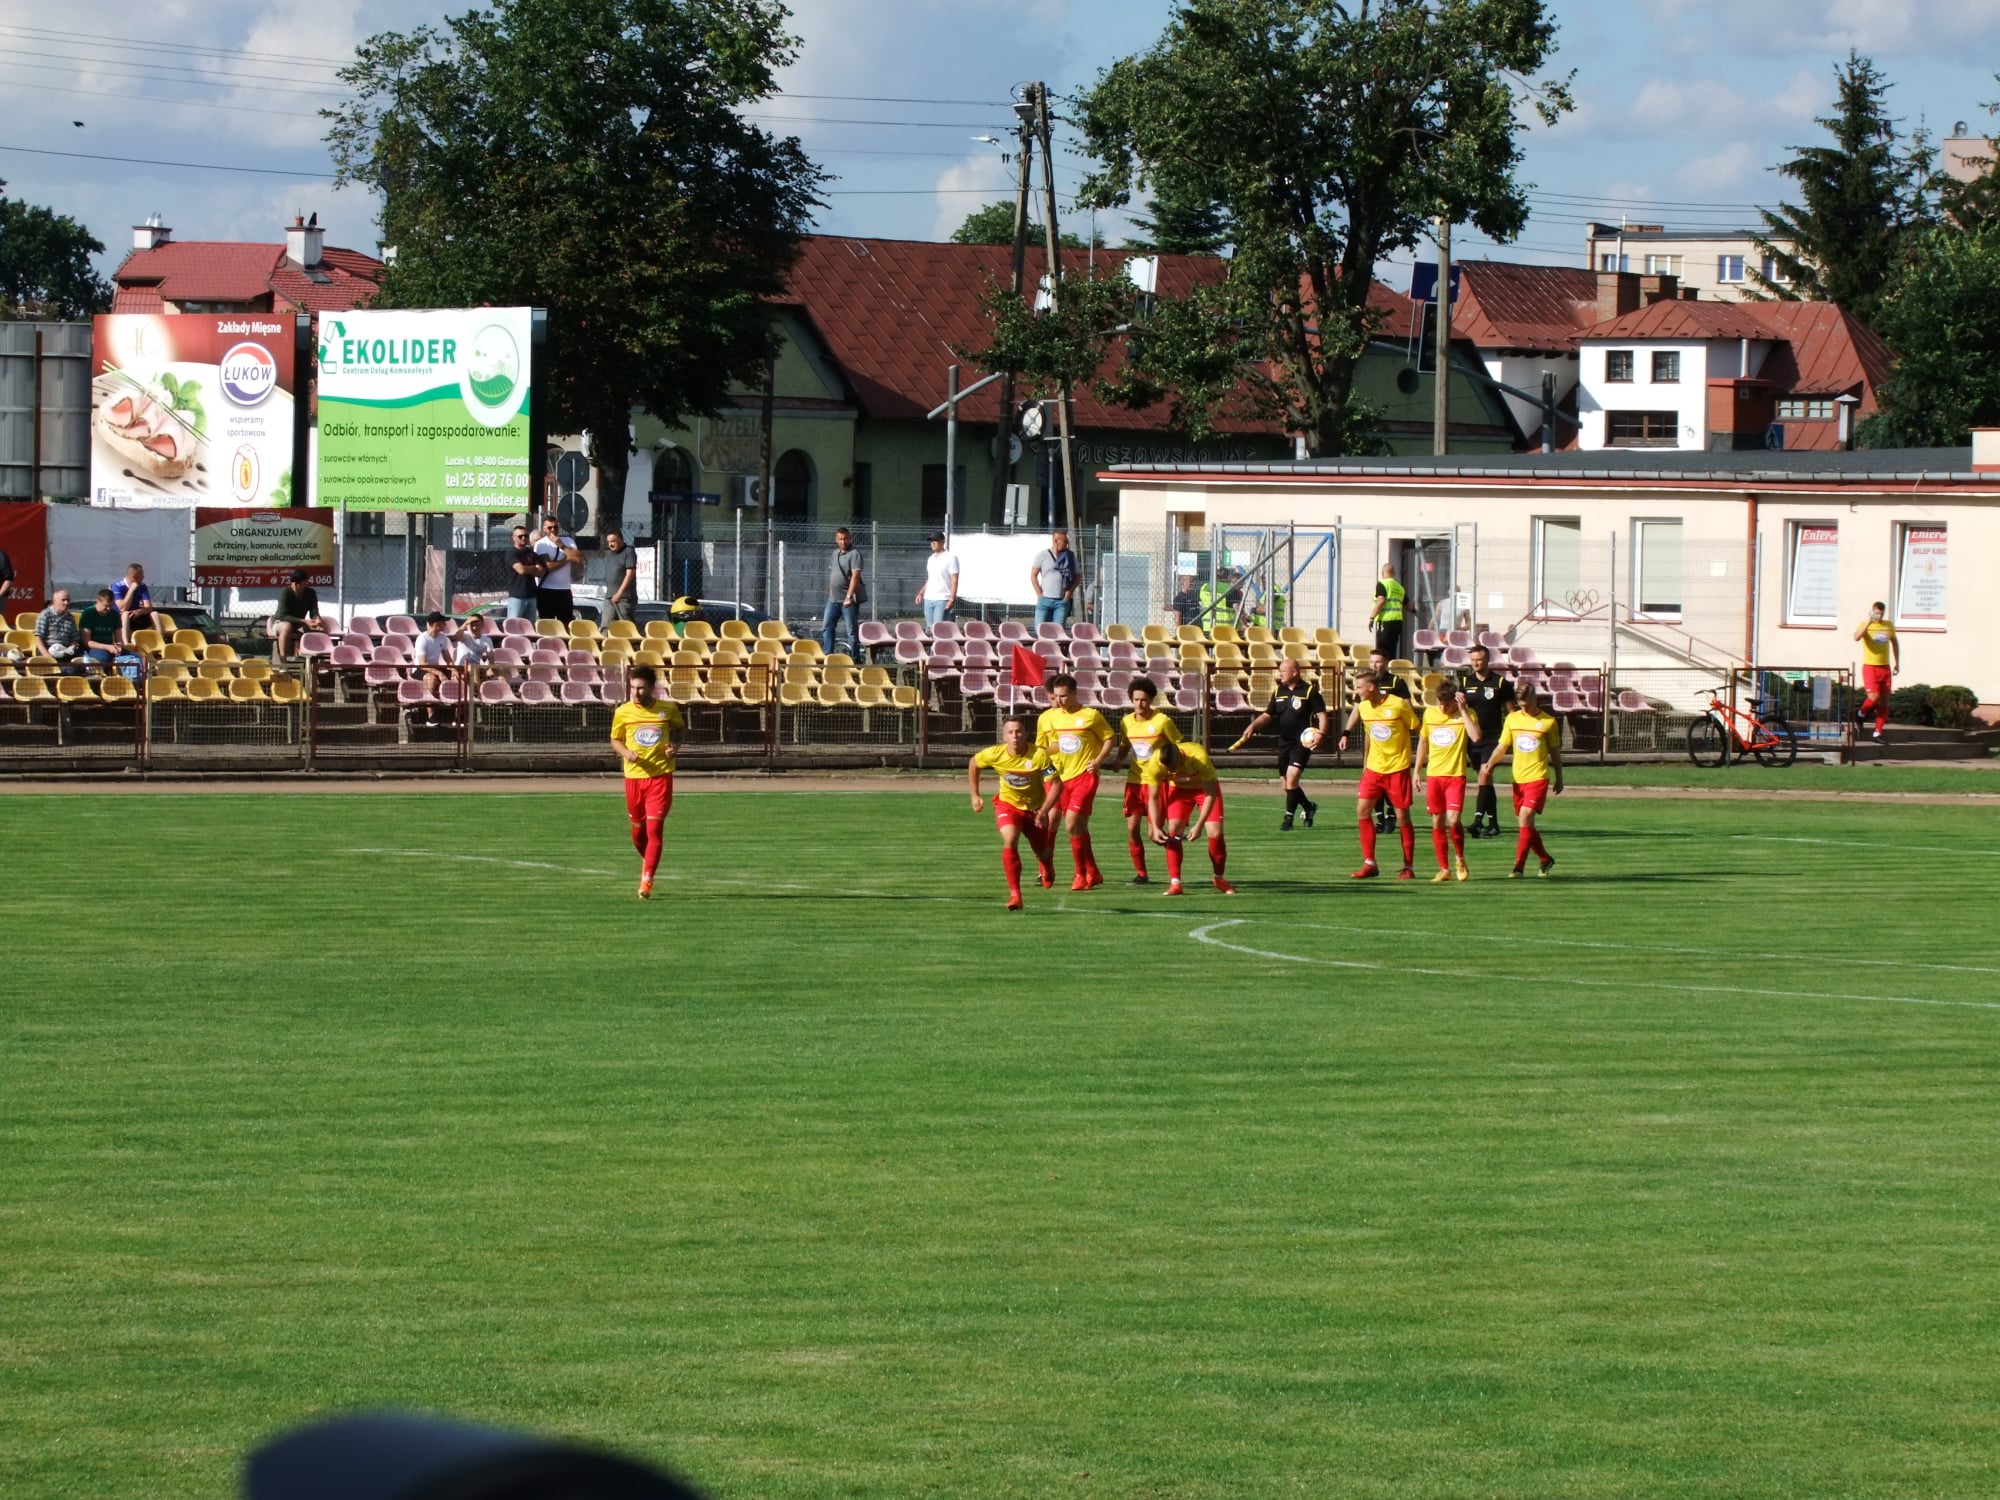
(537, 692)
(1048, 630)
(1231, 701)
(1566, 702)
(404, 625)
(593, 675)
(976, 684)
(451, 691)
(1085, 659)
(874, 635)
(544, 672)
(1085, 631)
(495, 690)
(517, 627)
(1118, 685)
(345, 655)
(1521, 656)
(1427, 640)
(612, 693)
(414, 694)
(579, 692)
(1456, 658)
(365, 625)
(980, 653)
(1492, 641)
(315, 643)
(397, 642)
(1188, 700)
(977, 630)
(1462, 639)
(910, 651)
(946, 630)
(908, 630)
(1013, 630)
(378, 676)
(546, 656)
(1631, 702)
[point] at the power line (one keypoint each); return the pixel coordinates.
(196, 75)
(141, 161)
(56, 88)
(140, 44)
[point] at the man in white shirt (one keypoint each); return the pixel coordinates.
(473, 648)
(939, 595)
(433, 654)
(554, 599)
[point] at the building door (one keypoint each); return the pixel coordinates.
(1424, 565)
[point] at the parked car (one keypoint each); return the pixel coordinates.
(714, 611)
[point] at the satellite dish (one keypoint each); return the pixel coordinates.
(1031, 421)
(1408, 381)
(1013, 448)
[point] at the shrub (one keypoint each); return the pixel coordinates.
(1911, 705)
(1951, 707)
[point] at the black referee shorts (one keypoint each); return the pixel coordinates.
(1479, 752)
(1293, 754)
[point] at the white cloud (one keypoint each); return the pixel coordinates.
(1704, 103)
(1737, 165)
(961, 188)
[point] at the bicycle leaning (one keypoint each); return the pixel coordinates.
(1725, 731)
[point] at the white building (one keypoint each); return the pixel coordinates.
(1719, 267)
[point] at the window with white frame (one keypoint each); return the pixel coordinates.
(1812, 573)
(1608, 261)
(1618, 365)
(1773, 272)
(1663, 265)
(1558, 564)
(1642, 429)
(1656, 568)
(1666, 366)
(1921, 576)
(1729, 268)
(1801, 409)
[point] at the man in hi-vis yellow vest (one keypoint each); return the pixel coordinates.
(1387, 616)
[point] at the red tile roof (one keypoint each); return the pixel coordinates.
(235, 271)
(1541, 309)
(1821, 350)
(890, 312)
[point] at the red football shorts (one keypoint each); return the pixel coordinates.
(1395, 785)
(649, 796)
(1182, 802)
(1007, 815)
(1530, 796)
(1876, 680)
(1444, 794)
(1079, 795)
(1135, 799)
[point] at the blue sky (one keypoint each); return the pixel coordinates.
(1684, 105)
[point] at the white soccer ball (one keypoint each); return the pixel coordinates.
(1310, 739)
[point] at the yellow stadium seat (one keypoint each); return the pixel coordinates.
(698, 630)
(648, 659)
(177, 671)
(581, 629)
(794, 694)
(1118, 632)
(840, 676)
(115, 689)
(830, 696)
(773, 630)
(1224, 632)
(1259, 633)
(33, 690)
(1402, 666)
(163, 689)
(756, 688)
(683, 690)
(75, 690)
(615, 661)
(1326, 635)
(686, 658)
(729, 654)
(1156, 634)
(737, 630)
(192, 638)
(180, 653)
(165, 623)
(1190, 635)
(551, 630)
(1293, 633)
(20, 640)
(622, 630)
(717, 691)
(216, 671)
(876, 677)
(149, 642)
(1297, 651)
(810, 648)
(909, 699)
(216, 651)
(256, 669)
(287, 690)
(872, 695)
(245, 690)
(807, 676)
(25, 620)
(661, 630)
(1262, 651)
(204, 690)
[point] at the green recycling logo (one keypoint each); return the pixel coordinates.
(492, 380)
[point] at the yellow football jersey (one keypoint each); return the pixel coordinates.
(1445, 733)
(1876, 636)
(1144, 736)
(1021, 776)
(1532, 738)
(1388, 726)
(647, 730)
(1073, 739)
(1193, 771)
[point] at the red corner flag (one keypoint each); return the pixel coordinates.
(1029, 668)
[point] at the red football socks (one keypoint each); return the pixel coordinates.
(1174, 860)
(1081, 856)
(1535, 842)
(1457, 843)
(1523, 842)
(655, 841)
(1010, 861)
(638, 836)
(1138, 852)
(1368, 841)
(1218, 854)
(1438, 844)
(1409, 837)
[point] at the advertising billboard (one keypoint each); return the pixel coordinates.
(425, 411)
(193, 408)
(24, 537)
(258, 549)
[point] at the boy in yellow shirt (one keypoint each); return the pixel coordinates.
(1021, 805)
(1881, 659)
(1191, 794)
(646, 733)
(1532, 739)
(1078, 740)
(1389, 723)
(1144, 730)
(1450, 731)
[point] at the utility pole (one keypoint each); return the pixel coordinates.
(1025, 115)
(764, 494)
(1055, 293)
(1441, 437)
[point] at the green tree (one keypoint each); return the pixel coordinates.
(591, 157)
(994, 225)
(1864, 194)
(1942, 317)
(1329, 134)
(1180, 222)
(45, 267)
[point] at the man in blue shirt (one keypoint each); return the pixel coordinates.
(134, 601)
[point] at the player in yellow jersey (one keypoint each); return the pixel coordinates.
(1143, 730)
(1021, 805)
(1532, 739)
(646, 733)
(1389, 724)
(1078, 741)
(1450, 731)
(1191, 798)
(1881, 659)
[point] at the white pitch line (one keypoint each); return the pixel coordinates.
(482, 859)
(1774, 838)
(1730, 954)
(1207, 935)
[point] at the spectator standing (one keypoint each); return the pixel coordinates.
(1387, 616)
(939, 595)
(1187, 601)
(621, 579)
(524, 576)
(57, 635)
(6, 586)
(556, 598)
(297, 612)
(134, 601)
(846, 591)
(99, 625)
(1056, 574)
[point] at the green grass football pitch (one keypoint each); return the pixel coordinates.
(1677, 1174)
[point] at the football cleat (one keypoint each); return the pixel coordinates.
(1015, 903)
(1366, 872)
(1224, 886)
(1285, 823)
(1406, 873)
(1081, 883)
(1515, 873)
(1174, 888)
(1142, 880)
(1463, 873)
(1441, 877)
(1547, 865)
(645, 887)
(1311, 809)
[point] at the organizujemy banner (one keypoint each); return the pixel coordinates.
(425, 411)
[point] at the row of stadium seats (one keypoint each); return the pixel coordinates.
(114, 689)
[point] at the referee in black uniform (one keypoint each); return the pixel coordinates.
(1294, 708)
(1489, 697)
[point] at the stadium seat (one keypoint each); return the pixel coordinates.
(173, 671)
(1118, 633)
(908, 699)
(773, 630)
(1427, 641)
(1155, 635)
(537, 692)
(977, 630)
(246, 690)
(1326, 635)
(204, 690)
(364, 625)
(1188, 700)
(1521, 656)
(1224, 632)
(579, 692)
(1190, 635)
(581, 629)
(947, 630)
(698, 630)
(315, 643)
(794, 694)
(830, 696)
(33, 690)
(736, 630)
(75, 690)
(402, 625)
(1084, 630)
(287, 690)
(874, 636)
(1014, 630)
(256, 670)
(495, 690)
(717, 691)
(510, 627)
(840, 672)
(544, 629)
(544, 671)
(163, 689)
(805, 646)
(215, 671)
(622, 630)
(191, 638)
(148, 642)
(575, 657)
(871, 695)
(648, 659)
